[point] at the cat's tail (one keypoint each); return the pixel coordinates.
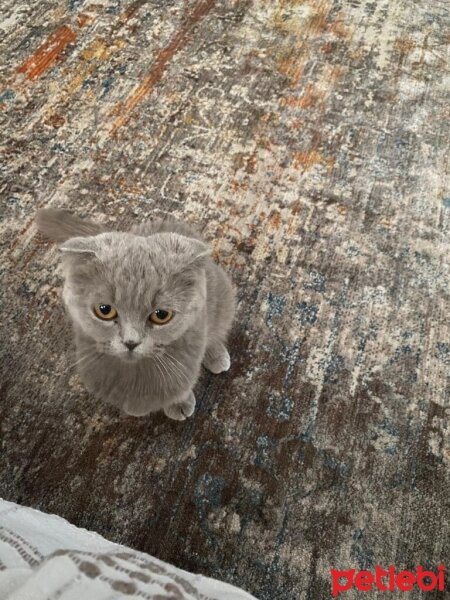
(61, 225)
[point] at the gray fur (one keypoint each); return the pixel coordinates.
(162, 264)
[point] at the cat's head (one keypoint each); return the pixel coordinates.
(133, 294)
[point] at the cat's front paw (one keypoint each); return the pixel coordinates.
(217, 359)
(181, 410)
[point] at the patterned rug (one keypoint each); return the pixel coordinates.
(309, 140)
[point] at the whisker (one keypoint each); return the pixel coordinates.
(181, 377)
(171, 375)
(179, 369)
(157, 365)
(175, 359)
(83, 358)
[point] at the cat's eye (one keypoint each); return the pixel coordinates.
(106, 312)
(161, 316)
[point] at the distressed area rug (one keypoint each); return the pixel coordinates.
(309, 140)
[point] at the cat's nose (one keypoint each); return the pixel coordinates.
(131, 345)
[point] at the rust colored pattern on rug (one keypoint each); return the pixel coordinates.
(47, 54)
(125, 108)
(308, 139)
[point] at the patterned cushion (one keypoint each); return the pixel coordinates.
(44, 557)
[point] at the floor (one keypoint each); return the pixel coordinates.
(309, 140)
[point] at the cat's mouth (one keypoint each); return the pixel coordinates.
(130, 356)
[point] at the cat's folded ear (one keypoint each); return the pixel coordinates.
(189, 252)
(198, 250)
(80, 245)
(192, 253)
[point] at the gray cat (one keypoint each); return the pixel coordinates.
(148, 307)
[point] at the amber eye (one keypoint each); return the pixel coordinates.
(160, 316)
(106, 312)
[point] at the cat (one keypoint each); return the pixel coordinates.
(148, 307)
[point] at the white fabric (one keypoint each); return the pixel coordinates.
(43, 557)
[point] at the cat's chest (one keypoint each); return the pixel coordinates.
(148, 377)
